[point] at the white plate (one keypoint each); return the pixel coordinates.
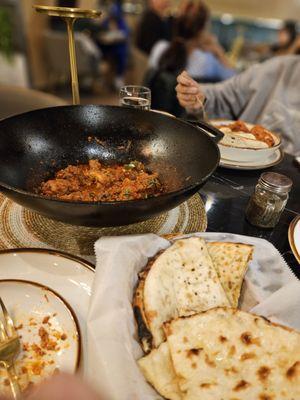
(274, 159)
(48, 330)
(238, 155)
(294, 237)
(69, 276)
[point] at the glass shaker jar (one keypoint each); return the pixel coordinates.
(268, 200)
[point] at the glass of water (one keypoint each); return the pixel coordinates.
(135, 97)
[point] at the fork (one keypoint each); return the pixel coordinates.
(9, 349)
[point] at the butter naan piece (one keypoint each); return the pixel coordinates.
(228, 131)
(238, 141)
(231, 262)
(182, 281)
(230, 354)
(158, 370)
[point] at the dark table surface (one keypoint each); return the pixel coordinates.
(226, 196)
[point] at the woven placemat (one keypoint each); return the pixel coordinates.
(23, 228)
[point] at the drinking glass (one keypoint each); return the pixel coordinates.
(135, 97)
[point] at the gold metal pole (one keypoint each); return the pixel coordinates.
(73, 61)
(70, 15)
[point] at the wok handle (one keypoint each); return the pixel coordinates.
(214, 133)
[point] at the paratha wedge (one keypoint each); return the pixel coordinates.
(229, 354)
(158, 370)
(182, 281)
(231, 262)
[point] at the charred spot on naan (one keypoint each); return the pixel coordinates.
(247, 356)
(144, 334)
(241, 385)
(293, 371)
(266, 397)
(263, 373)
(193, 352)
(248, 339)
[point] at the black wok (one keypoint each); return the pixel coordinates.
(34, 145)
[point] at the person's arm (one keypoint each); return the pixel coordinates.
(223, 100)
(228, 99)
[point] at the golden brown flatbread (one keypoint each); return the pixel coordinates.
(229, 354)
(181, 281)
(231, 262)
(158, 370)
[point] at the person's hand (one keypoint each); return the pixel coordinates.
(295, 47)
(211, 44)
(62, 387)
(208, 40)
(189, 93)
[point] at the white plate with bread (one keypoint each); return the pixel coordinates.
(244, 142)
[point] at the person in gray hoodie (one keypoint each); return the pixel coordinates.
(267, 94)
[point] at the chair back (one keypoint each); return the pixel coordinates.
(16, 100)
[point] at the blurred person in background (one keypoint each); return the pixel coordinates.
(207, 41)
(193, 48)
(57, 23)
(84, 31)
(168, 59)
(81, 24)
(113, 27)
(153, 25)
(286, 38)
(295, 48)
(265, 94)
(116, 49)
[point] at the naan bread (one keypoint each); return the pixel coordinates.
(158, 369)
(231, 262)
(245, 135)
(144, 333)
(238, 141)
(182, 281)
(233, 355)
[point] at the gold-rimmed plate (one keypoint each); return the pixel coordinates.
(294, 237)
(48, 330)
(68, 276)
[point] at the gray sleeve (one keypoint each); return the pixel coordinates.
(228, 99)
